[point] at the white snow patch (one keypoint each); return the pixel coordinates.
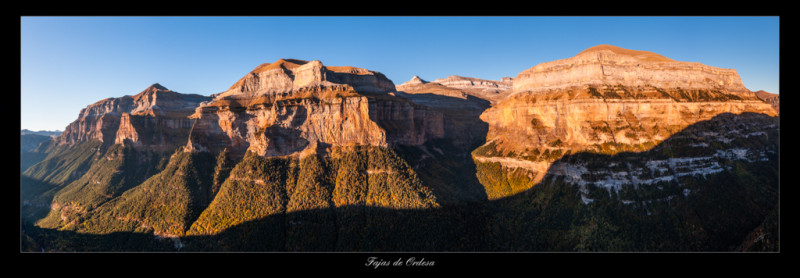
(740, 154)
(668, 169)
(755, 133)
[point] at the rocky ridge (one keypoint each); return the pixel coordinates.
(606, 100)
(611, 65)
(30, 140)
(461, 100)
(415, 80)
(710, 147)
(459, 86)
(292, 105)
(153, 117)
(486, 89)
(292, 77)
(48, 133)
(772, 99)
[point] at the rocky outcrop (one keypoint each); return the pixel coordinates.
(415, 80)
(704, 148)
(459, 86)
(152, 131)
(482, 88)
(156, 117)
(607, 100)
(291, 105)
(298, 78)
(611, 65)
(772, 99)
(579, 123)
(461, 100)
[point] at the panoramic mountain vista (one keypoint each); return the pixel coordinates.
(609, 150)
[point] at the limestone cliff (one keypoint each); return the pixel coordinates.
(606, 100)
(772, 99)
(461, 100)
(611, 65)
(156, 117)
(292, 105)
(459, 86)
(486, 89)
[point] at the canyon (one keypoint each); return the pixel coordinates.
(299, 156)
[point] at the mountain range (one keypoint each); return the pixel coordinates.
(29, 140)
(609, 150)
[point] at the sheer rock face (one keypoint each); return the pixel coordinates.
(612, 65)
(291, 105)
(609, 100)
(290, 77)
(461, 100)
(772, 99)
(154, 118)
(583, 122)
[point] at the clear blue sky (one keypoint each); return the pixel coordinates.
(68, 63)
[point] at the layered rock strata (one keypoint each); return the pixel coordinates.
(611, 65)
(606, 100)
(156, 117)
(772, 99)
(578, 120)
(705, 148)
(486, 89)
(460, 102)
(459, 86)
(292, 105)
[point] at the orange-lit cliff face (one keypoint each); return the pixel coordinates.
(611, 65)
(291, 105)
(156, 118)
(772, 99)
(608, 100)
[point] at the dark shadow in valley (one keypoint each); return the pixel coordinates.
(551, 216)
(462, 123)
(34, 203)
(442, 161)
(702, 189)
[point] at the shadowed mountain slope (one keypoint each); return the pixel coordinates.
(682, 210)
